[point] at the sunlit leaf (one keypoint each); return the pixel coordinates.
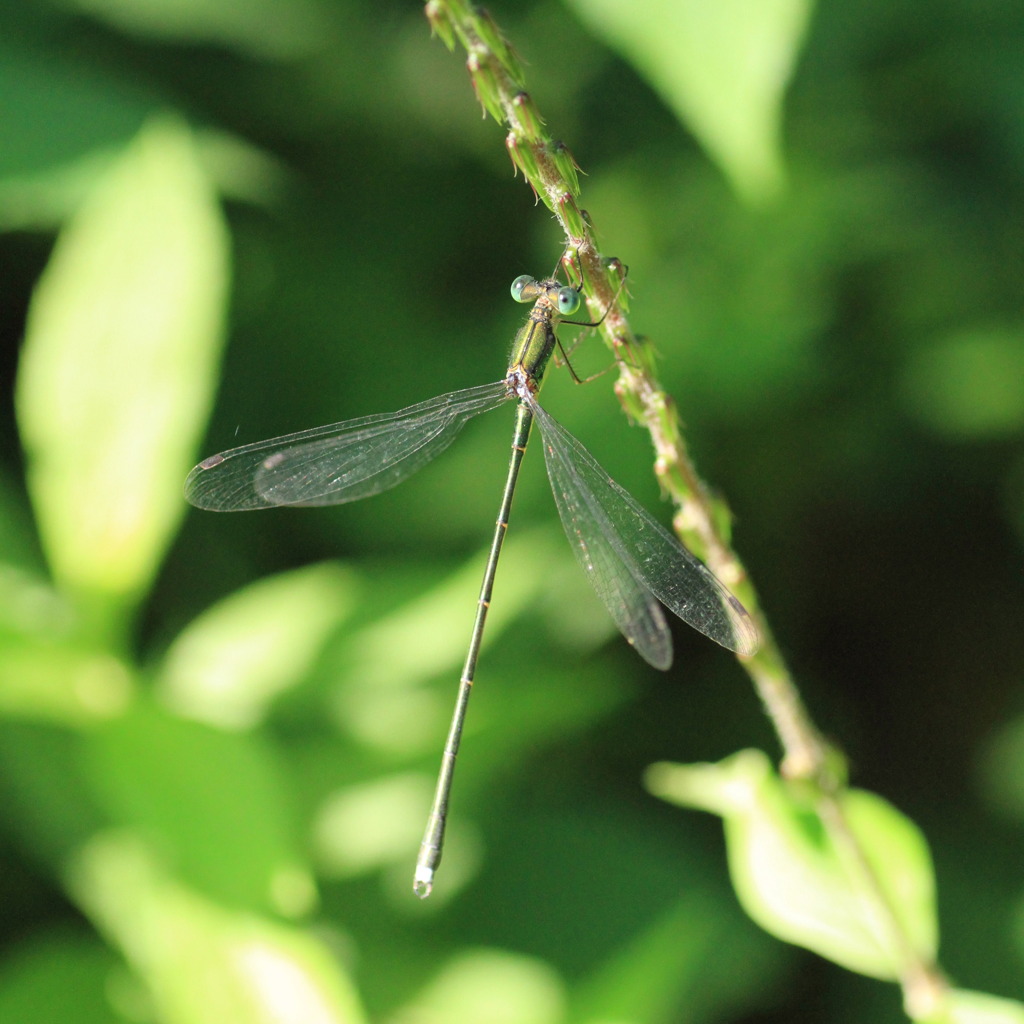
(966, 1007)
(382, 699)
(232, 661)
(70, 685)
(374, 823)
(205, 963)
(115, 384)
(30, 607)
(722, 67)
(490, 985)
(796, 881)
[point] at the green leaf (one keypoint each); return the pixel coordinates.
(18, 544)
(964, 1007)
(394, 673)
(213, 803)
(204, 963)
(100, 112)
(30, 608)
(967, 385)
(115, 385)
(694, 954)
(57, 975)
(432, 627)
(1002, 770)
(230, 663)
(722, 67)
(72, 686)
(796, 881)
(265, 29)
(491, 985)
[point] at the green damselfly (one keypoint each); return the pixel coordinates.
(634, 563)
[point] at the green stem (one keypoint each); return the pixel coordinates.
(702, 522)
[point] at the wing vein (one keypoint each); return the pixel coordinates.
(340, 462)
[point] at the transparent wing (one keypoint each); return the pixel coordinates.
(341, 462)
(631, 559)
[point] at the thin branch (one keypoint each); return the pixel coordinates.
(701, 520)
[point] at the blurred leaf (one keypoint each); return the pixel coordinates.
(1002, 769)
(691, 956)
(123, 337)
(46, 174)
(388, 663)
(795, 881)
(44, 200)
(723, 69)
(57, 976)
(48, 803)
(263, 28)
(213, 803)
(203, 963)
(30, 607)
(376, 823)
(67, 685)
(966, 1007)
(230, 663)
(969, 385)
(96, 112)
(434, 626)
(393, 680)
(493, 986)
(19, 546)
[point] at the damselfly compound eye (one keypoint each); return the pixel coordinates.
(518, 287)
(568, 300)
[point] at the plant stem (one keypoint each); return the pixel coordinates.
(701, 521)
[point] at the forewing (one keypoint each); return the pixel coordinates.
(653, 559)
(341, 462)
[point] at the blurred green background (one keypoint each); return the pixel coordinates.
(848, 358)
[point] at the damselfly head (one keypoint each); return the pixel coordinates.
(563, 299)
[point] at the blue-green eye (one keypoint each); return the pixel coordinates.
(568, 300)
(519, 285)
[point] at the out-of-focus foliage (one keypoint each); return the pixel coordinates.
(112, 393)
(217, 746)
(722, 67)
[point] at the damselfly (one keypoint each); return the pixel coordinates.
(634, 564)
